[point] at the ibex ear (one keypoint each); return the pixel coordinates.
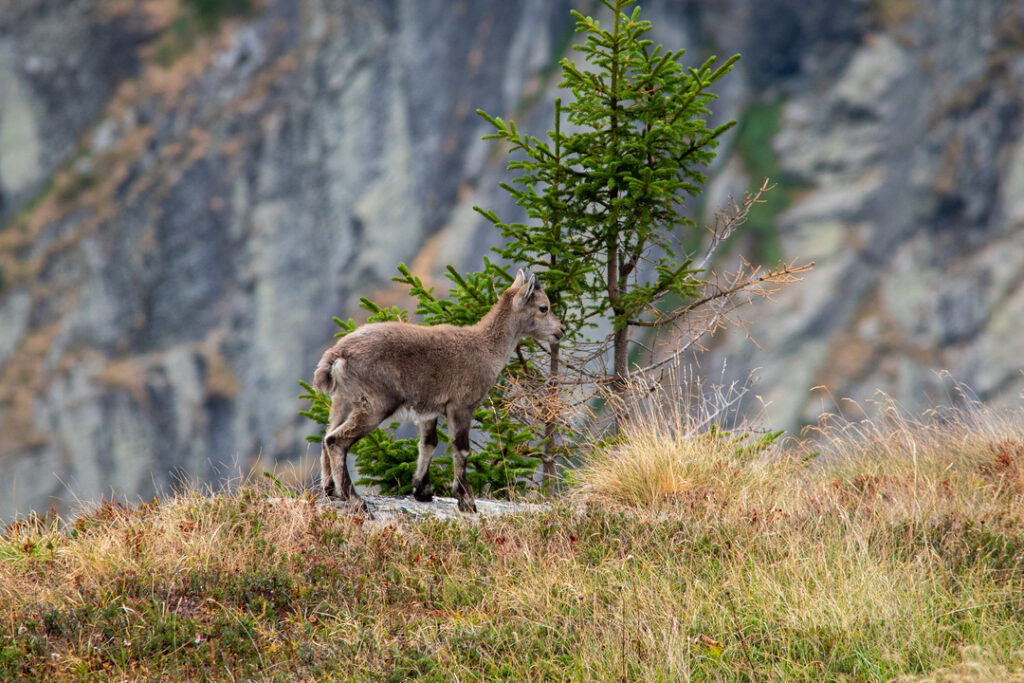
(526, 282)
(520, 278)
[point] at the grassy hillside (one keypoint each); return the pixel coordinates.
(896, 552)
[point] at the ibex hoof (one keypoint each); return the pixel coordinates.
(329, 490)
(358, 506)
(424, 494)
(467, 505)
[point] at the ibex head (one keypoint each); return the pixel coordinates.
(532, 305)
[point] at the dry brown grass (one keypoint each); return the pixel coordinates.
(881, 549)
(949, 462)
(900, 526)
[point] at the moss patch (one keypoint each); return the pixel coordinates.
(196, 17)
(753, 144)
(209, 13)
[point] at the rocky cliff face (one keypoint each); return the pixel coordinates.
(175, 253)
(906, 161)
(185, 211)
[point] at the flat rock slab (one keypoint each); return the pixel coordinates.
(391, 509)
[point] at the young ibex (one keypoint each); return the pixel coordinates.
(412, 372)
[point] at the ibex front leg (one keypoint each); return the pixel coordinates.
(421, 487)
(458, 424)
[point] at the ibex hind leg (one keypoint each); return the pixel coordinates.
(326, 480)
(339, 412)
(359, 423)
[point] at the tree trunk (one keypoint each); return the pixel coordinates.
(616, 278)
(620, 346)
(549, 424)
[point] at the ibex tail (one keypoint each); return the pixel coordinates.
(323, 377)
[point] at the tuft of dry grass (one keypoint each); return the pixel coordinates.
(658, 470)
(948, 462)
(681, 445)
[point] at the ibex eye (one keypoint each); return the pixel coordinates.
(543, 309)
